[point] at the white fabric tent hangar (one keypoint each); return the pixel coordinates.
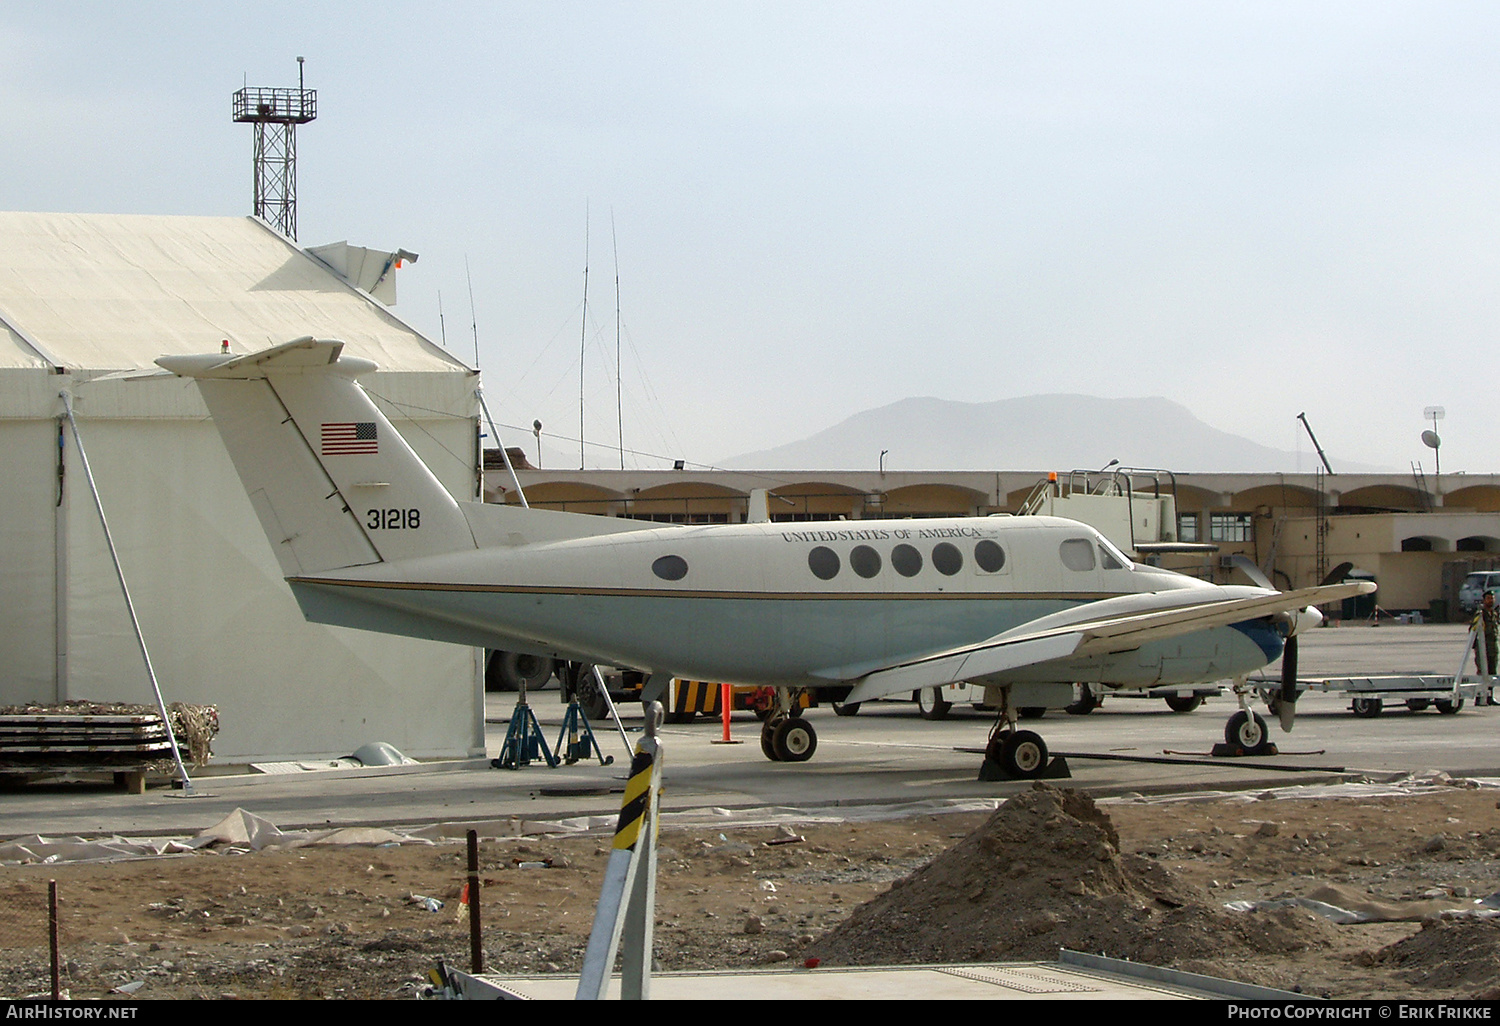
(83, 296)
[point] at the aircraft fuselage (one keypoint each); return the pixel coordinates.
(797, 604)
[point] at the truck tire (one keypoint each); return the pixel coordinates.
(506, 671)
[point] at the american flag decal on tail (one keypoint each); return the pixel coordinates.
(354, 439)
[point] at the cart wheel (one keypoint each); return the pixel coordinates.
(1447, 707)
(1179, 704)
(1417, 704)
(1368, 708)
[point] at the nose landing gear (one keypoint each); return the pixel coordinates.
(1245, 733)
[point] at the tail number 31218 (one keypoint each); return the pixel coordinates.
(393, 519)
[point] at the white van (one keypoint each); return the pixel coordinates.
(1471, 592)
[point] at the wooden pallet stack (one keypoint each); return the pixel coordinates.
(52, 742)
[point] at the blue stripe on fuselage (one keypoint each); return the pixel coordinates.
(1264, 635)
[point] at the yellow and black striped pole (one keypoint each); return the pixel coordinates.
(627, 899)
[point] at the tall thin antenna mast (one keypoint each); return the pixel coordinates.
(473, 317)
(442, 326)
(583, 332)
(484, 406)
(619, 408)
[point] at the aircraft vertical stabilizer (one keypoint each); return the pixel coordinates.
(333, 482)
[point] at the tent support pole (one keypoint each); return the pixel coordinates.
(135, 624)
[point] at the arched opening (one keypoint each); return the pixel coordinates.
(933, 500)
(687, 502)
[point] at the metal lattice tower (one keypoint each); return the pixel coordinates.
(276, 113)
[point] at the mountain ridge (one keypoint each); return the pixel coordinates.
(1058, 431)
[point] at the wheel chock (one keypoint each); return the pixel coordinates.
(1227, 751)
(1057, 769)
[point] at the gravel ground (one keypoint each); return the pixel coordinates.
(1142, 879)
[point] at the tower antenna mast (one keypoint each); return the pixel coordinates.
(276, 113)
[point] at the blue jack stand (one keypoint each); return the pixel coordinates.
(524, 743)
(580, 738)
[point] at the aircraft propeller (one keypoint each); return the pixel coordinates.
(1286, 704)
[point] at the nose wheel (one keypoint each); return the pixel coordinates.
(1246, 734)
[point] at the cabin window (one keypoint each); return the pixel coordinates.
(907, 560)
(1077, 554)
(1107, 559)
(824, 563)
(990, 556)
(865, 561)
(670, 568)
(947, 558)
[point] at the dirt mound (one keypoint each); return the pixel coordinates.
(1046, 872)
(1460, 953)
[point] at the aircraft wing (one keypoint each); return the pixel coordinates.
(1087, 637)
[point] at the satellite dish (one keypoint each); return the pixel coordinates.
(1431, 439)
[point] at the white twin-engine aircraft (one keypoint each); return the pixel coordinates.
(855, 610)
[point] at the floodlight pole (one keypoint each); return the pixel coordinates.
(276, 113)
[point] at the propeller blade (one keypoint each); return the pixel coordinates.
(1287, 708)
(1338, 573)
(1250, 570)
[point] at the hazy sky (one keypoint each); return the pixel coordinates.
(1255, 209)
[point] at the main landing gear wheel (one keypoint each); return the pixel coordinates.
(1021, 753)
(931, 705)
(767, 738)
(789, 739)
(1245, 730)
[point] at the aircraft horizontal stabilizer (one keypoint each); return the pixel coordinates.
(299, 355)
(1089, 637)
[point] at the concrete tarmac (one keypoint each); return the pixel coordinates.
(886, 755)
